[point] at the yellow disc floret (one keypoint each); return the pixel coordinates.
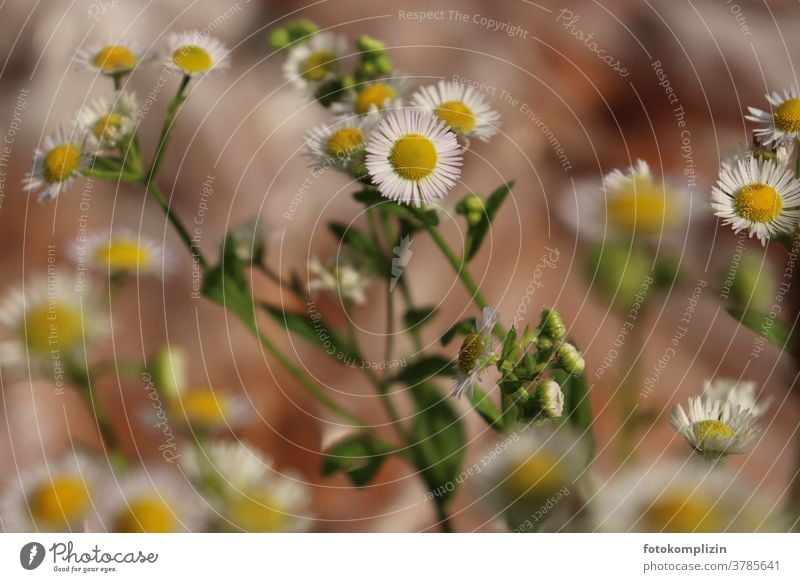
(203, 408)
(711, 429)
(457, 115)
(123, 255)
(683, 513)
(61, 163)
(106, 124)
(192, 59)
(344, 142)
(787, 115)
(376, 94)
(758, 203)
(413, 157)
(148, 515)
(316, 66)
(52, 327)
(537, 476)
(641, 206)
(59, 503)
(256, 512)
(114, 59)
(471, 350)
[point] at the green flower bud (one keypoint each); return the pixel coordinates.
(249, 241)
(302, 28)
(279, 38)
(552, 324)
(548, 399)
(544, 343)
(383, 65)
(474, 202)
(570, 359)
(474, 217)
(357, 165)
(170, 370)
(367, 44)
(367, 70)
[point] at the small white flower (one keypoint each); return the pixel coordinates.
(759, 196)
(739, 393)
(150, 501)
(313, 61)
(783, 122)
(209, 409)
(340, 142)
(57, 496)
(714, 428)
(195, 54)
(121, 252)
(342, 279)
(462, 108)
(56, 163)
(475, 354)
(549, 399)
(110, 57)
(249, 493)
(380, 95)
(413, 158)
(107, 122)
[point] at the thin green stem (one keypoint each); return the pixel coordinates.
(166, 130)
(182, 231)
(441, 514)
(113, 175)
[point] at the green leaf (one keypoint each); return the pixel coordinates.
(770, 328)
(463, 327)
(419, 316)
(424, 369)
(577, 408)
(226, 284)
(364, 245)
(312, 330)
(477, 232)
(484, 406)
(358, 456)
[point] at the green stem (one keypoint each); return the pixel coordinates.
(166, 130)
(441, 514)
(113, 175)
(182, 231)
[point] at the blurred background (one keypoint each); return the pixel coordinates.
(242, 132)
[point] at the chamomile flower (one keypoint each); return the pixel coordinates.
(195, 54)
(741, 393)
(121, 252)
(713, 427)
(475, 354)
(462, 108)
(106, 122)
(110, 57)
(57, 496)
(208, 409)
(341, 144)
(380, 95)
(413, 158)
(782, 123)
(48, 322)
(312, 62)
(759, 196)
(249, 494)
(690, 497)
(60, 158)
(150, 501)
(343, 279)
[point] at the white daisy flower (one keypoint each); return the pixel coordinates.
(714, 428)
(60, 158)
(208, 409)
(689, 497)
(150, 501)
(313, 61)
(741, 393)
(782, 123)
(759, 196)
(110, 57)
(413, 158)
(342, 279)
(381, 95)
(120, 252)
(462, 108)
(195, 54)
(475, 354)
(341, 143)
(58, 496)
(48, 322)
(249, 494)
(106, 122)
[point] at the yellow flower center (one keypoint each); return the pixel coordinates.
(457, 115)
(641, 206)
(413, 157)
(376, 94)
(537, 476)
(106, 124)
(678, 513)
(192, 59)
(114, 59)
(61, 162)
(52, 326)
(344, 142)
(787, 115)
(59, 503)
(316, 66)
(256, 512)
(203, 408)
(471, 350)
(758, 203)
(710, 429)
(147, 515)
(123, 255)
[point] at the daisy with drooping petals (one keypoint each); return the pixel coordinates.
(475, 354)
(249, 494)
(759, 196)
(380, 95)
(313, 61)
(56, 163)
(112, 57)
(341, 143)
(195, 54)
(343, 279)
(688, 497)
(714, 428)
(462, 108)
(150, 501)
(413, 158)
(48, 322)
(57, 496)
(121, 252)
(107, 122)
(782, 124)
(739, 393)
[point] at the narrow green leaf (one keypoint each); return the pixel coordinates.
(577, 408)
(424, 369)
(770, 328)
(463, 327)
(226, 284)
(312, 330)
(419, 316)
(364, 245)
(358, 456)
(477, 232)
(484, 406)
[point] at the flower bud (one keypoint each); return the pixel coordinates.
(552, 325)
(366, 43)
(302, 28)
(570, 359)
(169, 370)
(474, 202)
(549, 399)
(474, 217)
(279, 38)
(383, 65)
(248, 241)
